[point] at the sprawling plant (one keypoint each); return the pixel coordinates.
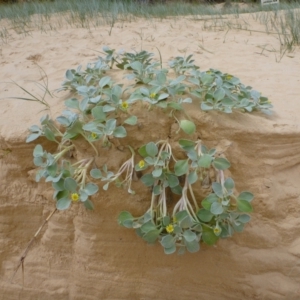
(190, 200)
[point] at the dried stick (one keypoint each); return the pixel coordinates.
(22, 258)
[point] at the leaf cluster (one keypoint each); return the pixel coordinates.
(191, 220)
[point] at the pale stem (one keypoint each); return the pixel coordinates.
(193, 197)
(63, 152)
(162, 203)
(152, 205)
(127, 166)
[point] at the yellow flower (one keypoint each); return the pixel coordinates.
(74, 197)
(228, 77)
(152, 95)
(141, 164)
(94, 135)
(269, 102)
(208, 72)
(174, 219)
(170, 228)
(217, 230)
(124, 105)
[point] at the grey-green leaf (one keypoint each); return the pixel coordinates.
(219, 94)
(151, 236)
(247, 196)
(124, 216)
(181, 167)
(244, 218)
(49, 134)
(32, 137)
(98, 113)
(167, 241)
(148, 226)
(205, 161)
(185, 222)
(208, 236)
(91, 189)
(63, 203)
(217, 188)
(132, 120)
(120, 132)
(96, 173)
(70, 184)
(221, 163)
(88, 204)
(244, 206)
(148, 179)
(187, 126)
(157, 172)
(192, 177)
(38, 151)
(170, 250)
(189, 235)
(204, 215)
(216, 208)
(229, 183)
(173, 180)
(193, 246)
(151, 149)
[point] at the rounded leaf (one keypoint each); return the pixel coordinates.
(125, 216)
(49, 134)
(181, 167)
(151, 149)
(229, 183)
(244, 218)
(70, 184)
(204, 215)
(131, 120)
(148, 226)
(91, 189)
(247, 196)
(151, 236)
(120, 132)
(216, 208)
(193, 246)
(217, 188)
(88, 204)
(168, 241)
(187, 126)
(221, 163)
(205, 161)
(32, 137)
(192, 177)
(170, 250)
(208, 236)
(173, 180)
(219, 94)
(63, 203)
(38, 151)
(189, 235)
(148, 179)
(83, 196)
(96, 173)
(244, 206)
(157, 172)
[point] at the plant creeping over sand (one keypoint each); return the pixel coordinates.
(100, 112)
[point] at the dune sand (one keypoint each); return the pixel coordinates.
(87, 255)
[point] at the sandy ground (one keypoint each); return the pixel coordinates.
(84, 255)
